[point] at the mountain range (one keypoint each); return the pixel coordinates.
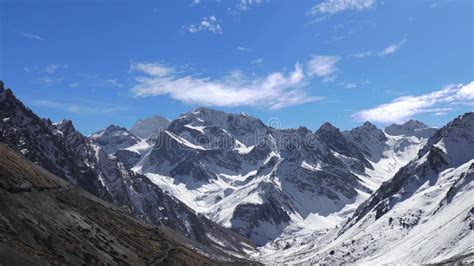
(232, 189)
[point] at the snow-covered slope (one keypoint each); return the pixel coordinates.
(387, 152)
(424, 214)
(268, 183)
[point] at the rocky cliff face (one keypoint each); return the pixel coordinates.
(46, 220)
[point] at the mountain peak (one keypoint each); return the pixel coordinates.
(456, 140)
(204, 111)
(327, 127)
(367, 124)
(206, 117)
(109, 132)
(411, 128)
(414, 124)
(2, 86)
(114, 127)
(64, 123)
(148, 127)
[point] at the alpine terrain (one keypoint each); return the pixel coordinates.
(218, 187)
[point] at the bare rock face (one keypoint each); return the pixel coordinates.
(369, 139)
(46, 220)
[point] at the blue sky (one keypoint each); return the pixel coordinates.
(302, 62)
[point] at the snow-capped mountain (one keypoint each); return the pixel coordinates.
(65, 152)
(114, 138)
(150, 127)
(266, 183)
(367, 195)
(424, 214)
(411, 128)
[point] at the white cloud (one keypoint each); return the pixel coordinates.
(152, 69)
(467, 92)
(207, 24)
(350, 85)
(73, 85)
(363, 54)
(257, 61)
(403, 108)
(32, 36)
(244, 5)
(113, 83)
(323, 66)
(331, 7)
(392, 48)
(273, 91)
(244, 49)
(52, 68)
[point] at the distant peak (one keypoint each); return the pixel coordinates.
(64, 122)
(151, 126)
(203, 109)
(328, 127)
(367, 124)
(65, 125)
(415, 123)
(2, 86)
(411, 128)
(114, 127)
(412, 124)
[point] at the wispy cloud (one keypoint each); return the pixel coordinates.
(437, 102)
(49, 81)
(210, 23)
(328, 8)
(114, 83)
(244, 5)
(323, 66)
(350, 85)
(52, 68)
(32, 36)
(46, 69)
(244, 49)
(273, 91)
(78, 108)
(100, 80)
(390, 49)
(257, 61)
